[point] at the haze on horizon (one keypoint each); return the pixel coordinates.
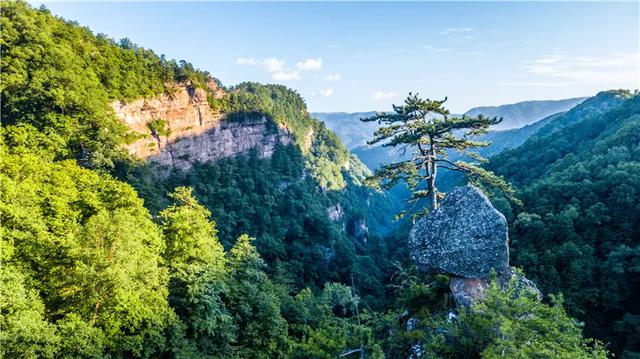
(364, 56)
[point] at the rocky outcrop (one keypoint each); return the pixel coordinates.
(466, 291)
(466, 236)
(360, 230)
(194, 133)
(335, 212)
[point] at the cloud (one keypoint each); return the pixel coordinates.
(326, 92)
(277, 69)
(452, 30)
(434, 49)
(381, 95)
(335, 46)
(610, 71)
(286, 75)
(270, 64)
(309, 64)
(333, 77)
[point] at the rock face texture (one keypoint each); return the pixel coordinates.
(466, 236)
(194, 132)
(466, 291)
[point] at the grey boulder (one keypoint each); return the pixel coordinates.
(466, 236)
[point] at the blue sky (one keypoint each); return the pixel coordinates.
(364, 56)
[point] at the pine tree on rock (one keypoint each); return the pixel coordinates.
(425, 127)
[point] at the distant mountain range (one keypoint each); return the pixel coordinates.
(524, 113)
(348, 126)
(355, 133)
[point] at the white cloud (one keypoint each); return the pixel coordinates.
(434, 49)
(611, 71)
(326, 92)
(451, 30)
(270, 64)
(278, 71)
(309, 64)
(246, 61)
(381, 95)
(286, 75)
(335, 46)
(333, 77)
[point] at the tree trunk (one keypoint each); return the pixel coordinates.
(432, 179)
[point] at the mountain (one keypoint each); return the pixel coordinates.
(355, 133)
(348, 126)
(149, 211)
(524, 113)
(578, 230)
(375, 156)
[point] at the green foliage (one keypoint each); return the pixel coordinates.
(326, 157)
(273, 201)
(159, 127)
(197, 272)
(513, 324)
(24, 331)
(425, 128)
(58, 81)
(85, 244)
(577, 232)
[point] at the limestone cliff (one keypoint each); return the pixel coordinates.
(191, 131)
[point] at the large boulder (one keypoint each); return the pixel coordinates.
(466, 236)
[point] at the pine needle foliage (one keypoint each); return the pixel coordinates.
(426, 129)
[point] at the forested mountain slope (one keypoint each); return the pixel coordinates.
(579, 230)
(88, 271)
(271, 249)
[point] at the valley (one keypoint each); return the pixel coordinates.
(150, 211)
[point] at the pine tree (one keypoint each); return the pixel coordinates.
(426, 128)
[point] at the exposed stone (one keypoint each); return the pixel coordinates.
(335, 212)
(467, 291)
(197, 134)
(360, 230)
(466, 236)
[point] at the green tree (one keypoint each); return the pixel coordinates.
(88, 248)
(253, 300)
(425, 127)
(197, 275)
(512, 323)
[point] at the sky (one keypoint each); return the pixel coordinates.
(363, 56)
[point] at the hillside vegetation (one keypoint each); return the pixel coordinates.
(285, 256)
(578, 230)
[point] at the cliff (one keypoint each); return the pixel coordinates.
(179, 129)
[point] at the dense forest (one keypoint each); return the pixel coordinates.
(579, 228)
(101, 257)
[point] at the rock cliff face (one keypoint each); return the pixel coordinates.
(192, 131)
